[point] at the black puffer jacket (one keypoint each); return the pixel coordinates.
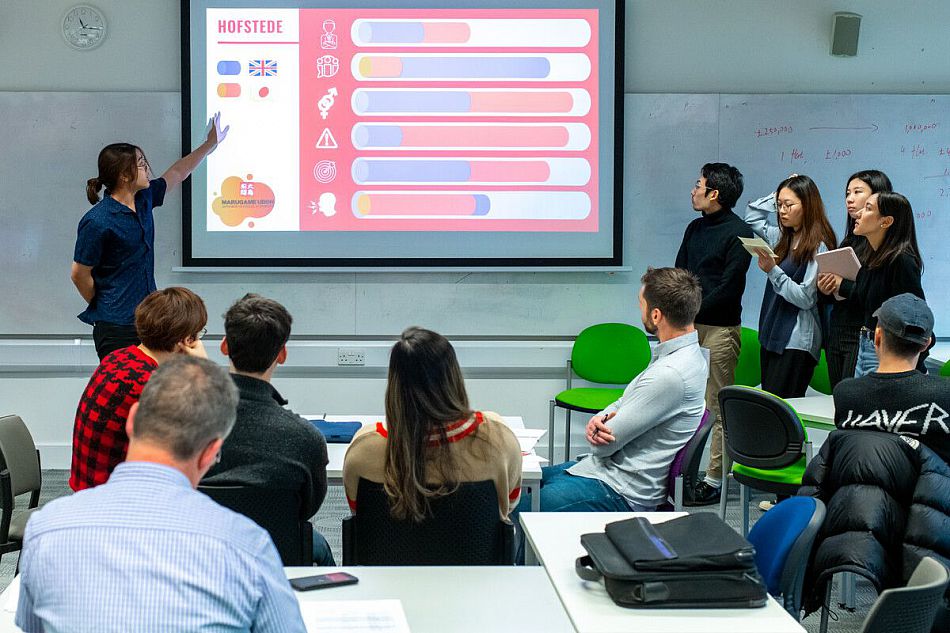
(888, 503)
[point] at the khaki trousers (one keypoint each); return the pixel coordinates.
(723, 344)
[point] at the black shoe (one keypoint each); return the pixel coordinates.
(703, 495)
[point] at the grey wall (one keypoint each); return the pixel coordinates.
(741, 46)
(673, 46)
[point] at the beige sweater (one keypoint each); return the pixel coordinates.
(483, 446)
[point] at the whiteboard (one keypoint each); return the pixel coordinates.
(51, 140)
(768, 137)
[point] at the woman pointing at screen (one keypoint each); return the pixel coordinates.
(114, 260)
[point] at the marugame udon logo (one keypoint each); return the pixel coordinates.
(243, 199)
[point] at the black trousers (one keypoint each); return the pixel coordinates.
(109, 337)
(841, 350)
(787, 374)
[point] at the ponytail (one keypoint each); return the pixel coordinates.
(117, 162)
(92, 190)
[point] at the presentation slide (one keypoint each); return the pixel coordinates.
(395, 135)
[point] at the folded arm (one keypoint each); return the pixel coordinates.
(649, 403)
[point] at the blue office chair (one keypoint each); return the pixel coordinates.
(783, 538)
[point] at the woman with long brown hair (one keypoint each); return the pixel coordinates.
(893, 265)
(432, 440)
(789, 330)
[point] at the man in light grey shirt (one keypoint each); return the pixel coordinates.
(634, 440)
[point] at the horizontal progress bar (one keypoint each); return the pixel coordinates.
(501, 136)
(552, 33)
(462, 102)
(567, 172)
(470, 67)
(506, 205)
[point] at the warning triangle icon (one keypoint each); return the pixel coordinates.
(326, 140)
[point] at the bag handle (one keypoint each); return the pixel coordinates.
(585, 568)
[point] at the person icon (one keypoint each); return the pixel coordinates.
(329, 39)
(327, 204)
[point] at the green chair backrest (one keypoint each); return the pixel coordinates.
(610, 353)
(749, 367)
(945, 370)
(820, 380)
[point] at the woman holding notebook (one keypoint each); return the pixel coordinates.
(892, 266)
(847, 315)
(789, 331)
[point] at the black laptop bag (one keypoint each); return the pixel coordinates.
(693, 561)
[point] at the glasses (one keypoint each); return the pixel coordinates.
(142, 163)
(202, 333)
(787, 206)
(699, 186)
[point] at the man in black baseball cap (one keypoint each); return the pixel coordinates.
(897, 398)
(908, 318)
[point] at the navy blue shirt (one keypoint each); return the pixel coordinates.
(119, 245)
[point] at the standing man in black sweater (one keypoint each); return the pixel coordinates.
(270, 446)
(712, 251)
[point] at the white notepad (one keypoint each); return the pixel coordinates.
(753, 244)
(841, 261)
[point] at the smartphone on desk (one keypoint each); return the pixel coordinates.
(336, 579)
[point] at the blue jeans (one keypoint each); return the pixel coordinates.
(322, 554)
(564, 492)
(867, 357)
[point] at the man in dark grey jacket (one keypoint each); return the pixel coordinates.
(270, 446)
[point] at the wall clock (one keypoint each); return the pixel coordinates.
(84, 27)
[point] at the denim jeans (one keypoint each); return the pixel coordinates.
(563, 492)
(867, 357)
(322, 554)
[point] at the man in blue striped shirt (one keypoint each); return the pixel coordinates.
(146, 551)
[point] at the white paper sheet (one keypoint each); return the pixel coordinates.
(753, 244)
(354, 616)
(528, 438)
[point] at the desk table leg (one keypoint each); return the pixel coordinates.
(530, 558)
(535, 497)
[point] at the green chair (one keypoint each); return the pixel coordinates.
(945, 370)
(766, 442)
(819, 379)
(605, 354)
(749, 366)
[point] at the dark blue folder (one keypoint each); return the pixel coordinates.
(337, 432)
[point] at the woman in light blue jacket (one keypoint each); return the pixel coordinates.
(789, 330)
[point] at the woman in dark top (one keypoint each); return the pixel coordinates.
(847, 315)
(893, 266)
(114, 260)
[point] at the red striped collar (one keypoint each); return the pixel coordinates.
(454, 431)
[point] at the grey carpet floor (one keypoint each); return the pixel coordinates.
(334, 509)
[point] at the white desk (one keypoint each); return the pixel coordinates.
(816, 412)
(530, 467)
(555, 538)
(435, 599)
(455, 599)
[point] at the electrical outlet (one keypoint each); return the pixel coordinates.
(350, 356)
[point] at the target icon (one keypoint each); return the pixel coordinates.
(325, 171)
